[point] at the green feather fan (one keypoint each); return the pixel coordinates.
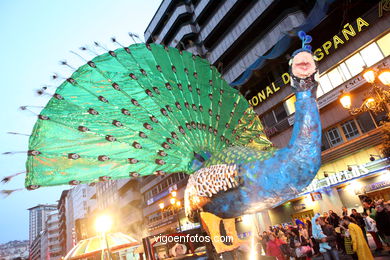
(136, 111)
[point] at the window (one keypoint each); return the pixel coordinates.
(355, 64)
(269, 119)
(384, 44)
(280, 113)
(324, 143)
(335, 77)
(350, 130)
(334, 136)
(380, 117)
(344, 70)
(325, 83)
(371, 54)
(289, 105)
(365, 122)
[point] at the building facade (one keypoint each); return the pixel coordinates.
(37, 219)
(53, 233)
(258, 37)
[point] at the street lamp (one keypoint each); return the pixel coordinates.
(175, 204)
(378, 96)
(103, 225)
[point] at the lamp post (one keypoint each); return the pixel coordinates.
(175, 204)
(377, 100)
(103, 225)
(377, 97)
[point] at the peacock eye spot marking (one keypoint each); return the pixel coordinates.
(73, 156)
(103, 158)
(142, 135)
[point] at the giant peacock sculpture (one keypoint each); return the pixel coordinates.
(149, 109)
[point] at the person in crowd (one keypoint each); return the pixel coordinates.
(387, 205)
(284, 246)
(312, 241)
(344, 211)
(273, 247)
(382, 219)
(368, 207)
(325, 215)
(347, 241)
(319, 236)
(331, 238)
(359, 243)
(303, 232)
(302, 252)
(371, 228)
(333, 219)
(264, 241)
(359, 221)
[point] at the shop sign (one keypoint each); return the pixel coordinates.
(373, 186)
(347, 33)
(338, 177)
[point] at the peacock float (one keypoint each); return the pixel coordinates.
(151, 109)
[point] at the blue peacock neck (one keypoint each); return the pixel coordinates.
(283, 176)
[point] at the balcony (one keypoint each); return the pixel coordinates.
(245, 22)
(217, 17)
(157, 18)
(200, 7)
(185, 30)
(260, 48)
(179, 12)
(369, 139)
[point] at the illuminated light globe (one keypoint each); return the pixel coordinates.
(161, 205)
(370, 103)
(345, 101)
(369, 76)
(173, 201)
(384, 77)
(103, 223)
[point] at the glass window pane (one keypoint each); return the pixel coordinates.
(280, 113)
(384, 44)
(325, 83)
(371, 54)
(365, 122)
(350, 129)
(355, 64)
(380, 117)
(325, 144)
(335, 77)
(344, 70)
(289, 105)
(334, 136)
(320, 92)
(269, 119)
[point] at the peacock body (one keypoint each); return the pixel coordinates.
(150, 109)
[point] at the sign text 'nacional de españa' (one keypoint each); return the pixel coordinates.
(339, 39)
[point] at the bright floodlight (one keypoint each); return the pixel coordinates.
(384, 77)
(174, 193)
(161, 205)
(369, 76)
(103, 223)
(346, 100)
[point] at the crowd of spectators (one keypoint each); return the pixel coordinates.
(331, 235)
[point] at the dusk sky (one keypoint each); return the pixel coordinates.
(35, 36)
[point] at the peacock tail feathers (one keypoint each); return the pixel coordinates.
(139, 110)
